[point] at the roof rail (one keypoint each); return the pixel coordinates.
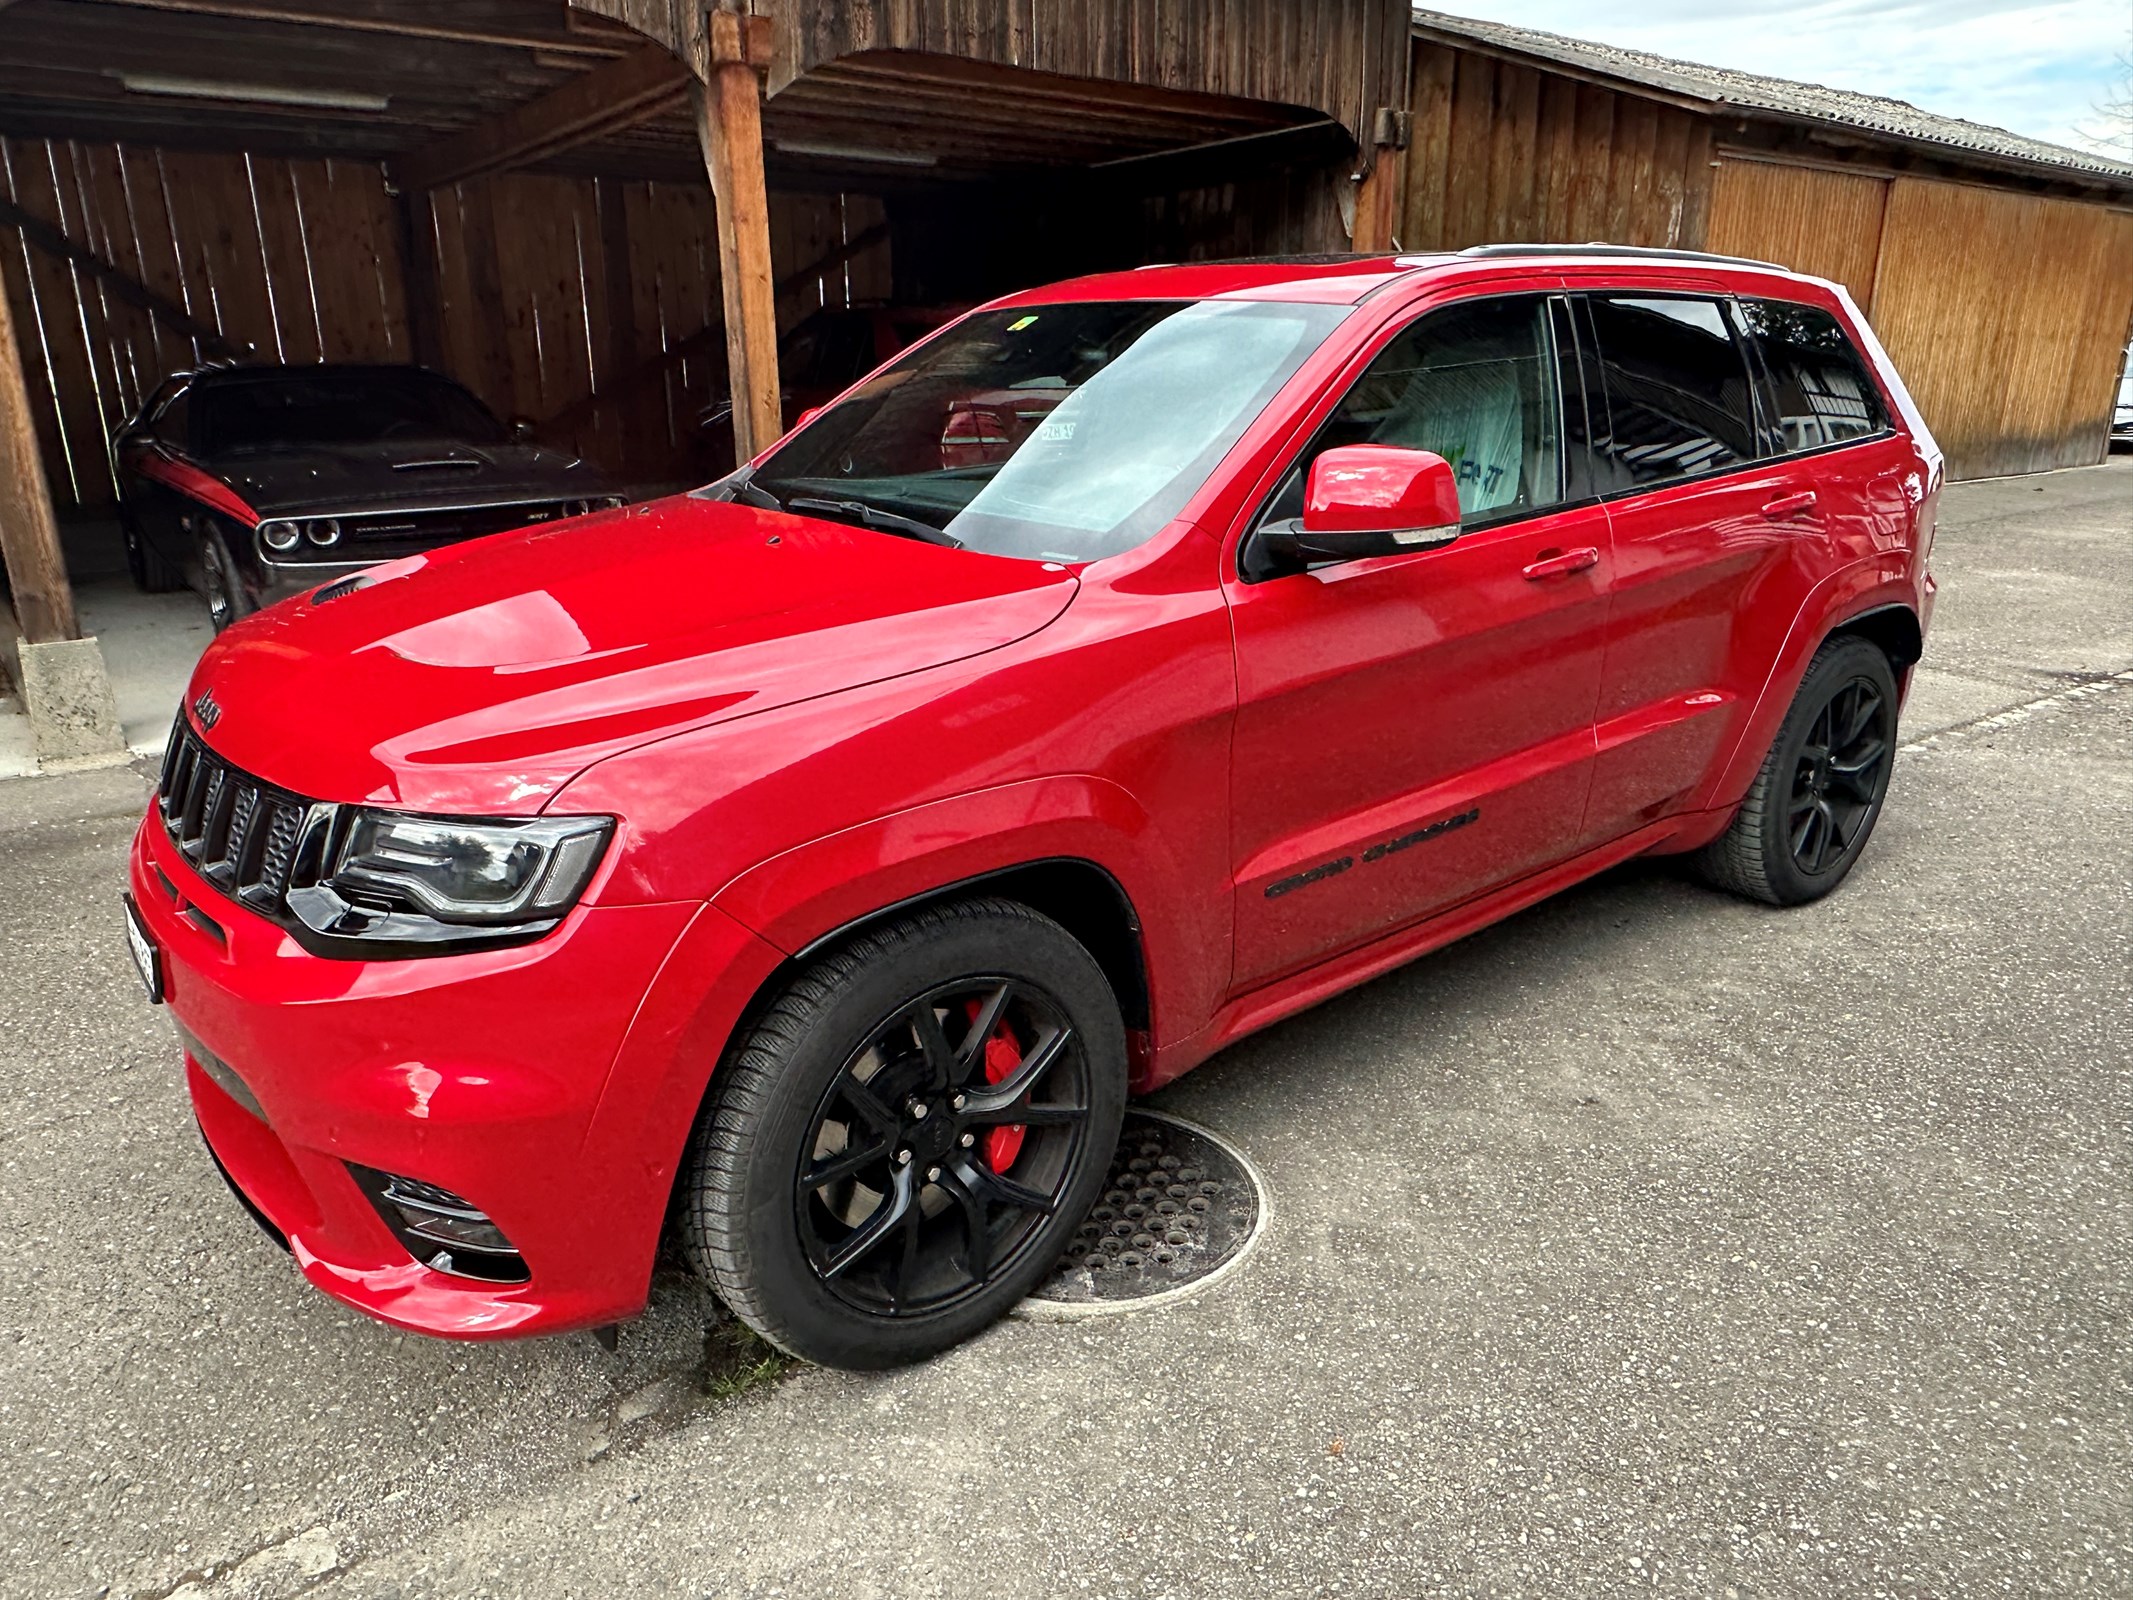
(1596, 248)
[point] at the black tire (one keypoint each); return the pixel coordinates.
(1815, 802)
(151, 571)
(221, 582)
(791, 1103)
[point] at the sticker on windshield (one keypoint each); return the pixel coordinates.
(1056, 432)
(1019, 324)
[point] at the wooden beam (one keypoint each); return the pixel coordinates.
(573, 41)
(121, 284)
(29, 534)
(729, 122)
(617, 94)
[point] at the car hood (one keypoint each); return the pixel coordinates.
(481, 678)
(401, 474)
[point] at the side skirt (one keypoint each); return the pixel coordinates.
(1271, 1003)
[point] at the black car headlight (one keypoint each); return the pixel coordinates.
(438, 883)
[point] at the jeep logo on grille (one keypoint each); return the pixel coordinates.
(206, 710)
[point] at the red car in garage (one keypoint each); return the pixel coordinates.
(815, 863)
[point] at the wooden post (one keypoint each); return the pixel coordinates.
(29, 535)
(729, 122)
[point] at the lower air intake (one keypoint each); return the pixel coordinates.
(440, 1229)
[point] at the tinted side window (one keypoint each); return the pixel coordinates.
(1679, 403)
(1475, 383)
(1818, 382)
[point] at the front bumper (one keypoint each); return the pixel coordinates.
(552, 1084)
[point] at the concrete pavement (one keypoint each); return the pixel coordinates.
(1649, 1240)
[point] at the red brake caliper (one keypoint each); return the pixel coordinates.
(1002, 1056)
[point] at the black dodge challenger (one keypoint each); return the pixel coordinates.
(255, 483)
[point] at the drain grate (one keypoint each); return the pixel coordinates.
(1179, 1210)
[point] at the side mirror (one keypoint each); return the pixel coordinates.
(1371, 500)
(808, 416)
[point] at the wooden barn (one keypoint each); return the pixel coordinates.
(1998, 270)
(617, 220)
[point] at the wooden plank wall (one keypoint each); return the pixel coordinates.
(2007, 314)
(585, 302)
(1807, 218)
(294, 258)
(1505, 153)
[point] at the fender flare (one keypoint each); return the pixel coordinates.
(1869, 587)
(813, 893)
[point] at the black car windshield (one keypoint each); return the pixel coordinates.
(1056, 433)
(325, 407)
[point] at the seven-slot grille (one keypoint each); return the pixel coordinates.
(244, 836)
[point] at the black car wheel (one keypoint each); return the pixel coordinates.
(226, 600)
(151, 571)
(1819, 793)
(908, 1138)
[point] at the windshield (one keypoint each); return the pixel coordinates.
(1060, 433)
(340, 408)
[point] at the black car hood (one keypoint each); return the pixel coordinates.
(402, 475)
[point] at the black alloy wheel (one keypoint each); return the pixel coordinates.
(901, 1145)
(1839, 776)
(1819, 793)
(943, 1145)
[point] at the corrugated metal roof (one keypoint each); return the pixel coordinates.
(1752, 94)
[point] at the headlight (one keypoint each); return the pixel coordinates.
(433, 884)
(483, 873)
(280, 536)
(323, 531)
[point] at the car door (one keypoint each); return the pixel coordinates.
(1415, 729)
(1706, 535)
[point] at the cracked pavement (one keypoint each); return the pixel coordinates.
(1648, 1240)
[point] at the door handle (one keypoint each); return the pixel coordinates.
(1553, 564)
(1790, 505)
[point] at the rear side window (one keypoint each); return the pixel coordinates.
(1679, 403)
(1819, 386)
(1473, 383)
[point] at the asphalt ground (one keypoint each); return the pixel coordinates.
(1649, 1240)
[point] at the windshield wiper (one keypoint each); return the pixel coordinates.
(874, 517)
(756, 495)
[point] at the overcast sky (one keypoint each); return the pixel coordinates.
(2038, 68)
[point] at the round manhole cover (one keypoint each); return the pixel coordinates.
(1180, 1210)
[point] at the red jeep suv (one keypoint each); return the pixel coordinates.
(813, 864)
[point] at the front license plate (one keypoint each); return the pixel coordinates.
(145, 954)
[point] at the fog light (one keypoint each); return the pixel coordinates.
(442, 1230)
(281, 536)
(323, 531)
